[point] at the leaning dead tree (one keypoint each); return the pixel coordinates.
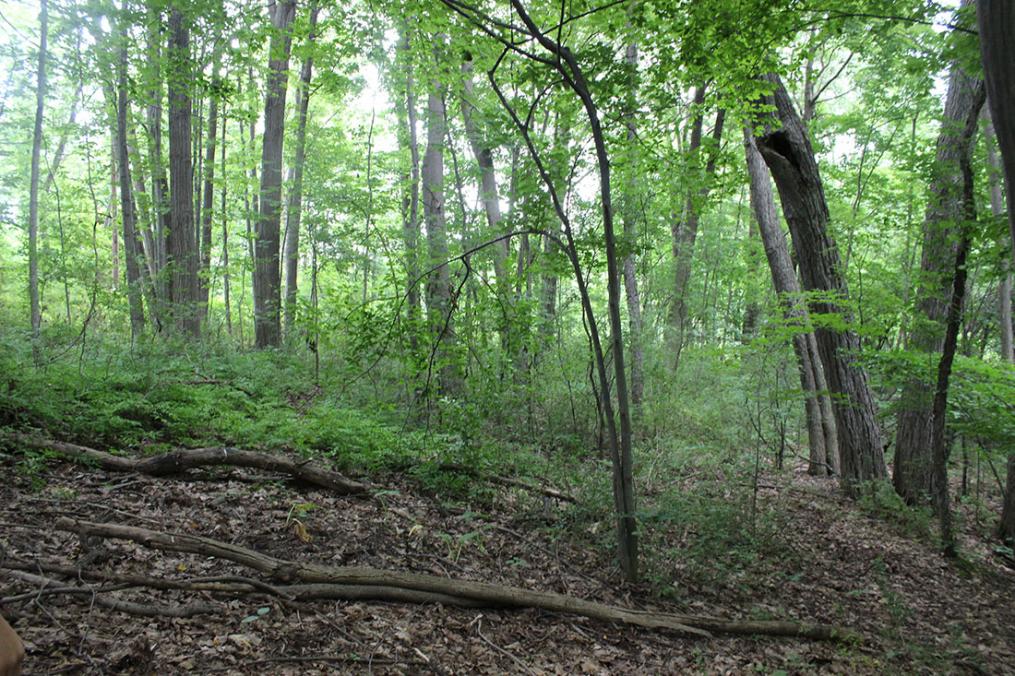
(304, 580)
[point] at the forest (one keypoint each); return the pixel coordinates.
(507, 336)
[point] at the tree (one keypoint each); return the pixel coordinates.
(267, 284)
(786, 148)
(132, 249)
(182, 256)
(945, 213)
(821, 433)
(33, 194)
(207, 215)
(292, 231)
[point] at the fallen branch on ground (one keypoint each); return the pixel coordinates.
(181, 460)
(506, 481)
(363, 582)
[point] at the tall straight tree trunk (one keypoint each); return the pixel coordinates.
(33, 189)
(784, 280)
(292, 233)
(790, 158)
(209, 185)
(267, 287)
(160, 185)
(629, 217)
(939, 442)
(996, 21)
(438, 288)
(488, 192)
(912, 471)
(685, 229)
(1004, 288)
(406, 107)
(114, 182)
(128, 210)
(182, 256)
(225, 228)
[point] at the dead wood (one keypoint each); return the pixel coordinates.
(181, 460)
(413, 587)
(507, 481)
(93, 595)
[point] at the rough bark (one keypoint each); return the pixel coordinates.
(784, 281)
(33, 190)
(787, 151)
(996, 21)
(912, 469)
(128, 209)
(403, 586)
(1006, 529)
(1004, 288)
(295, 210)
(181, 460)
(182, 255)
(160, 185)
(208, 197)
(405, 106)
(267, 283)
(438, 287)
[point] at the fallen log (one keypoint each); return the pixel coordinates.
(418, 588)
(181, 460)
(506, 481)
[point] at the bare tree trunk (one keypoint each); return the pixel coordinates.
(405, 105)
(33, 190)
(127, 207)
(996, 21)
(1004, 288)
(438, 288)
(629, 216)
(160, 186)
(794, 309)
(1006, 529)
(788, 153)
(225, 229)
(685, 229)
(209, 184)
(295, 211)
(182, 246)
(912, 470)
(114, 182)
(939, 441)
(267, 291)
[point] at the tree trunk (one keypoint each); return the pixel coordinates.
(209, 184)
(405, 106)
(128, 210)
(160, 185)
(295, 211)
(912, 470)
(33, 190)
(629, 216)
(1006, 529)
(685, 229)
(438, 288)
(996, 20)
(182, 257)
(939, 441)
(1004, 288)
(225, 229)
(794, 309)
(788, 153)
(267, 291)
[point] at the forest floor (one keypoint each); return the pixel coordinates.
(915, 611)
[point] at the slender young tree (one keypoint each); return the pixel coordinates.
(629, 219)
(267, 287)
(33, 190)
(207, 214)
(132, 251)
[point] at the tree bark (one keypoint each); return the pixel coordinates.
(128, 209)
(207, 214)
(160, 185)
(912, 470)
(788, 153)
(1006, 529)
(438, 287)
(784, 281)
(33, 189)
(996, 21)
(1004, 288)
(405, 106)
(182, 255)
(267, 285)
(295, 210)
